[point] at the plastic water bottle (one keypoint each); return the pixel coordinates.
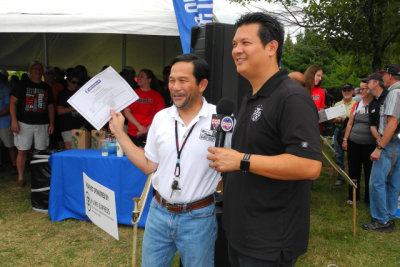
(120, 152)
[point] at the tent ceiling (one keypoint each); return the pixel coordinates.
(144, 17)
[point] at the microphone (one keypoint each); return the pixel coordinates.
(222, 122)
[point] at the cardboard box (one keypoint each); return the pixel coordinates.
(96, 137)
(80, 138)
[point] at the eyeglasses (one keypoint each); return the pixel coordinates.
(74, 82)
(347, 90)
(364, 88)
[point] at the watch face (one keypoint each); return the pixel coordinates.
(244, 165)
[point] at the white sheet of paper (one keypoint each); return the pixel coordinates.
(100, 206)
(331, 113)
(107, 90)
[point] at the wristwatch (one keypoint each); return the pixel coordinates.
(245, 163)
(379, 147)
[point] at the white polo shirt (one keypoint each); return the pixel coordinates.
(197, 180)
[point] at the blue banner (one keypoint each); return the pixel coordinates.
(191, 13)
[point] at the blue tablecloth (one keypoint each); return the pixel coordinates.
(117, 173)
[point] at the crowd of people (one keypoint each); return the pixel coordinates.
(35, 114)
(269, 161)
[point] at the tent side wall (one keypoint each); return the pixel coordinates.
(92, 50)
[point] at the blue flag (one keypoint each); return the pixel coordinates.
(191, 13)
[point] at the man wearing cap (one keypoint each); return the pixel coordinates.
(375, 85)
(348, 101)
(384, 182)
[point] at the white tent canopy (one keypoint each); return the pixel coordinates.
(139, 33)
(148, 17)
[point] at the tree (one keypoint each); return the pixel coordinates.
(360, 27)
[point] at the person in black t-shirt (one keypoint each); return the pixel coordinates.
(32, 116)
(69, 118)
(276, 153)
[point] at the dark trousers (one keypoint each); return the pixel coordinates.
(358, 156)
(237, 259)
(138, 141)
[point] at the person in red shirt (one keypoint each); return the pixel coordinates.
(140, 114)
(313, 77)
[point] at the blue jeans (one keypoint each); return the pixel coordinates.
(192, 233)
(339, 153)
(384, 188)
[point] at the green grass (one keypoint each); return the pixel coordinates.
(29, 238)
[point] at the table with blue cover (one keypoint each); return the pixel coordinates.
(66, 198)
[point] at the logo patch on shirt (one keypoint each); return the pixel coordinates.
(207, 135)
(257, 113)
(304, 144)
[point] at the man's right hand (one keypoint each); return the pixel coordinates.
(116, 123)
(14, 126)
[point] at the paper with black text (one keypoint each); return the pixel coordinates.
(107, 90)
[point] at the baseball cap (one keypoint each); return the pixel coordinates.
(347, 86)
(374, 76)
(393, 69)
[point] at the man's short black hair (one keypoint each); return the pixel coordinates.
(270, 28)
(200, 67)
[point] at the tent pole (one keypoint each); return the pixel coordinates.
(123, 51)
(45, 52)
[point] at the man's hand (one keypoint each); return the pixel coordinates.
(50, 130)
(376, 154)
(116, 123)
(142, 130)
(14, 126)
(224, 159)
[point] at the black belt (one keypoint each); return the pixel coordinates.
(178, 208)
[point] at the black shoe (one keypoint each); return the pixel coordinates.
(380, 227)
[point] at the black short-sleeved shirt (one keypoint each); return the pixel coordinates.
(265, 217)
(374, 108)
(71, 120)
(33, 101)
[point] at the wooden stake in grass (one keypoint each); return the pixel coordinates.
(137, 212)
(135, 217)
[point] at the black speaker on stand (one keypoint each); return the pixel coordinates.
(213, 42)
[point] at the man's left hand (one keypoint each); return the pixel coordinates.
(224, 159)
(50, 129)
(376, 154)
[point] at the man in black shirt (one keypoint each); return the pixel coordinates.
(276, 153)
(375, 84)
(32, 116)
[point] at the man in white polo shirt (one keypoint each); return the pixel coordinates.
(181, 215)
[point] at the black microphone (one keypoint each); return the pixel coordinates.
(222, 122)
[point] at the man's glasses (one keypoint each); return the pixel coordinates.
(364, 88)
(74, 82)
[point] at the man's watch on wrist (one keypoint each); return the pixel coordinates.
(245, 163)
(379, 147)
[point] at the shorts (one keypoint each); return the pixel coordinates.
(67, 136)
(6, 137)
(29, 134)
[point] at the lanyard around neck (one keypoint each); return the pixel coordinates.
(179, 151)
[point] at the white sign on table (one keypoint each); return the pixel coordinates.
(107, 90)
(100, 206)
